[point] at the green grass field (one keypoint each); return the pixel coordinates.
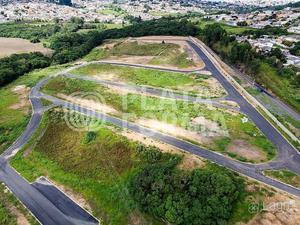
(192, 84)
(228, 28)
(13, 121)
(98, 168)
(164, 54)
(10, 207)
(279, 85)
(179, 113)
(284, 176)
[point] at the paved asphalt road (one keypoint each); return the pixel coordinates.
(46, 211)
(49, 212)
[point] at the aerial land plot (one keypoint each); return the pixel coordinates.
(213, 128)
(173, 54)
(10, 46)
(201, 85)
(15, 107)
(100, 169)
(12, 212)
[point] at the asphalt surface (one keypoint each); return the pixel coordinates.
(47, 212)
(66, 205)
(59, 210)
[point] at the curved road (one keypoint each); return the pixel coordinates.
(47, 213)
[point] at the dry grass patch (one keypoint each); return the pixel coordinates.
(10, 46)
(23, 104)
(246, 150)
(189, 161)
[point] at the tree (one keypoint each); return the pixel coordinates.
(203, 196)
(213, 33)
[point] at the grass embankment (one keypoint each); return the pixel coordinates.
(230, 29)
(12, 212)
(14, 116)
(193, 84)
(285, 176)
(280, 86)
(178, 113)
(100, 167)
(286, 119)
(162, 54)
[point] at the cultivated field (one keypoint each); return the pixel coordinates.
(10, 46)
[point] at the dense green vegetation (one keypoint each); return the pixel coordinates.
(179, 113)
(111, 172)
(18, 64)
(285, 176)
(296, 49)
(230, 29)
(204, 196)
(266, 69)
(31, 31)
(71, 46)
(267, 30)
(10, 208)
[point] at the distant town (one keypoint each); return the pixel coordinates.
(114, 12)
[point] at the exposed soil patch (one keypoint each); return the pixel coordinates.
(21, 219)
(210, 128)
(132, 59)
(189, 161)
(246, 150)
(209, 88)
(180, 41)
(280, 209)
(10, 46)
(173, 130)
(89, 104)
(23, 92)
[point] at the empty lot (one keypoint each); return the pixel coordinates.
(10, 46)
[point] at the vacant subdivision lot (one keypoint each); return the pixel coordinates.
(213, 128)
(97, 168)
(204, 86)
(10, 46)
(174, 54)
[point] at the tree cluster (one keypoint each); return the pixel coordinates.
(72, 46)
(267, 30)
(32, 32)
(202, 196)
(16, 65)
